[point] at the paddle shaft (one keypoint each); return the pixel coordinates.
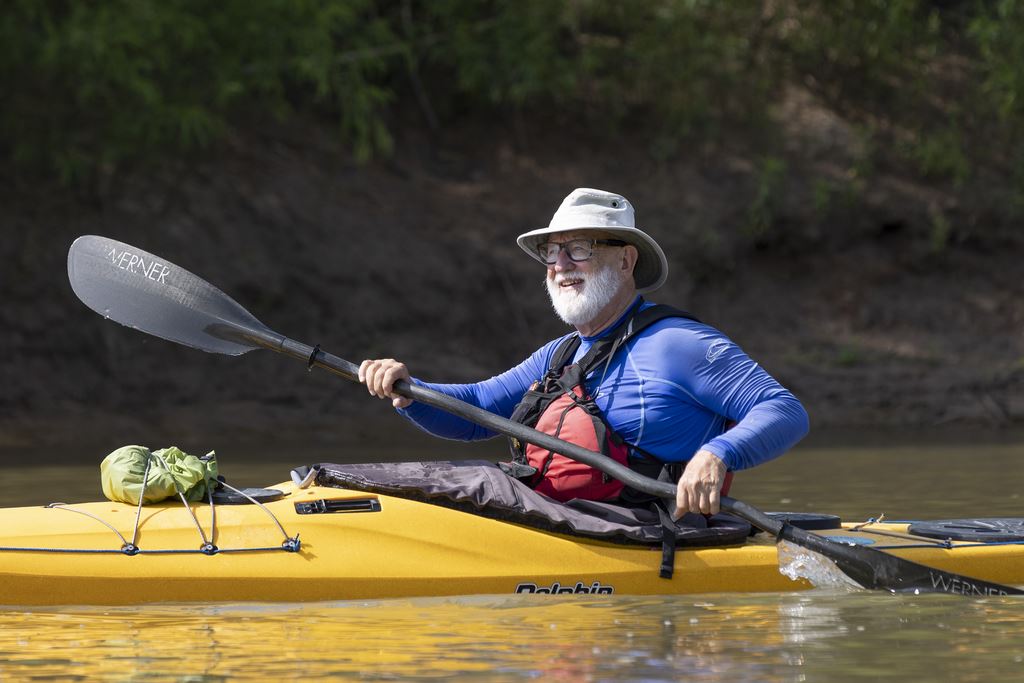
(484, 418)
(343, 368)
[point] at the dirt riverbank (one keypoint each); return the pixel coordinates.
(853, 304)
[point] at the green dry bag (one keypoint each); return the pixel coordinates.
(170, 470)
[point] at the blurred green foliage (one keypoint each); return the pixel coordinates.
(91, 84)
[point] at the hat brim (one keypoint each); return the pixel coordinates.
(651, 268)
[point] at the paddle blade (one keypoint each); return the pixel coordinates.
(869, 567)
(148, 293)
(878, 570)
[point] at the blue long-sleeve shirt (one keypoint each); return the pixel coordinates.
(671, 390)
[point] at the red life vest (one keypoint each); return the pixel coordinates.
(558, 404)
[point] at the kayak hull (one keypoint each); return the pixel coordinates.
(353, 545)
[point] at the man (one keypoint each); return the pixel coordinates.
(675, 391)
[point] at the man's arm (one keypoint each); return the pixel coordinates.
(499, 394)
(722, 378)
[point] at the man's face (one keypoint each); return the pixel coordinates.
(579, 290)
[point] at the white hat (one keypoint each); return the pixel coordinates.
(585, 209)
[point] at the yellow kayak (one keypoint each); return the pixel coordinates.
(326, 543)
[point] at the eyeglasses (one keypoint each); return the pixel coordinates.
(576, 250)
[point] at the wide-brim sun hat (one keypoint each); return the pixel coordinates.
(589, 209)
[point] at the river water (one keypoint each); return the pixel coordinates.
(827, 634)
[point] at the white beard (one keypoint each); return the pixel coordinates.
(581, 308)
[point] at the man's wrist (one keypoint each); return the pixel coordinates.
(719, 460)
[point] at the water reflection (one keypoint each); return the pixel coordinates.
(792, 637)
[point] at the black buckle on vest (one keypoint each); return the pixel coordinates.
(517, 470)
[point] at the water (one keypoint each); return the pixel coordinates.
(781, 637)
(830, 634)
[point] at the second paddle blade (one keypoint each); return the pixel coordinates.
(148, 293)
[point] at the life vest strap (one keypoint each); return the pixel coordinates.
(632, 325)
(547, 404)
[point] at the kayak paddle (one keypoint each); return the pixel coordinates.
(150, 294)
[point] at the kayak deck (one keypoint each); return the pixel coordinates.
(353, 545)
